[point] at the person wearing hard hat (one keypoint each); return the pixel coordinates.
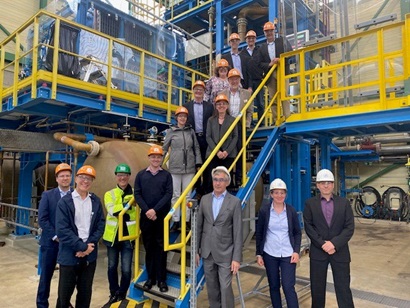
(254, 73)
(115, 200)
(49, 239)
(184, 158)
(220, 239)
(153, 194)
(268, 56)
(199, 111)
(329, 223)
(218, 82)
(238, 98)
(79, 226)
(278, 240)
(217, 127)
(235, 58)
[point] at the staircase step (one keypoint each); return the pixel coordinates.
(168, 298)
(176, 268)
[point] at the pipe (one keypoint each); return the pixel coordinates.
(373, 139)
(92, 147)
(244, 13)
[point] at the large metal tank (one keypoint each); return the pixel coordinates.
(112, 153)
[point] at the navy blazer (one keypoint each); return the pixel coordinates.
(67, 232)
(295, 233)
(207, 113)
(339, 233)
(47, 216)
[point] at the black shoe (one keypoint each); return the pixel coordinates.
(162, 286)
(148, 284)
(113, 299)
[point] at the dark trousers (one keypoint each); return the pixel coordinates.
(80, 276)
(47, 264)
(258, 102)
(280, 270)
(239, 165)
(126, 250)
(155, 256)
(200, 185)
(341, 279)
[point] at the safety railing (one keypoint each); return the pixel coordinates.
(361, 72)
(131, 237)
(91, 63)
(16, 216)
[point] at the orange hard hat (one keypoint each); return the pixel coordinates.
(269, 26)
(222, 63)
(181, 109)
(250, 33)
(221, 97)
(234, 73)
(199, 83)
(87, 170)
(63, 167)
(156, 150)
(234, 36)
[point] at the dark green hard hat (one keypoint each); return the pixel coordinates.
(123, 168)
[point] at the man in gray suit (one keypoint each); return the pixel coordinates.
(220, 239)
(329, 223)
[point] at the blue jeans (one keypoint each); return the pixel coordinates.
(126, 249)
(281, 270)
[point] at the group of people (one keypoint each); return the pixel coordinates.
(329, 224)
(252, 64)
(73, 222)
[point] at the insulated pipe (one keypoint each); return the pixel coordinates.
(244, 13)
(242, 23)
(92, 147)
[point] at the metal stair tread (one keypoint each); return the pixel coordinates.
(167, 297)
(176, 268)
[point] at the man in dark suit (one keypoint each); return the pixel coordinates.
(329, 223)
(235, 58)
(220, 239)
(199, 111)
(267, 56)
(253, 73)
(49, 239)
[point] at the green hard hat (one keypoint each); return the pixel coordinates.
(123, 168)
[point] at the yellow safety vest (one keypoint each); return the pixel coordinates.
(114, 203)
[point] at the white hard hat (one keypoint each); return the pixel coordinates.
(221, 169)
(278, 184)
(325, 175)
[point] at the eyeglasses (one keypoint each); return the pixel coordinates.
(122, 175)
(219, 180)
(221, 104)
(85, 178)
(325, 183)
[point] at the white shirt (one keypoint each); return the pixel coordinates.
(83, 215)
(272, 50)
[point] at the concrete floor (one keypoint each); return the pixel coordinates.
(380, 271)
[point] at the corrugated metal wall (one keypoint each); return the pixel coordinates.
(13, 13)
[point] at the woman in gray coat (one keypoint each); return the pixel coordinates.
(184, 156)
